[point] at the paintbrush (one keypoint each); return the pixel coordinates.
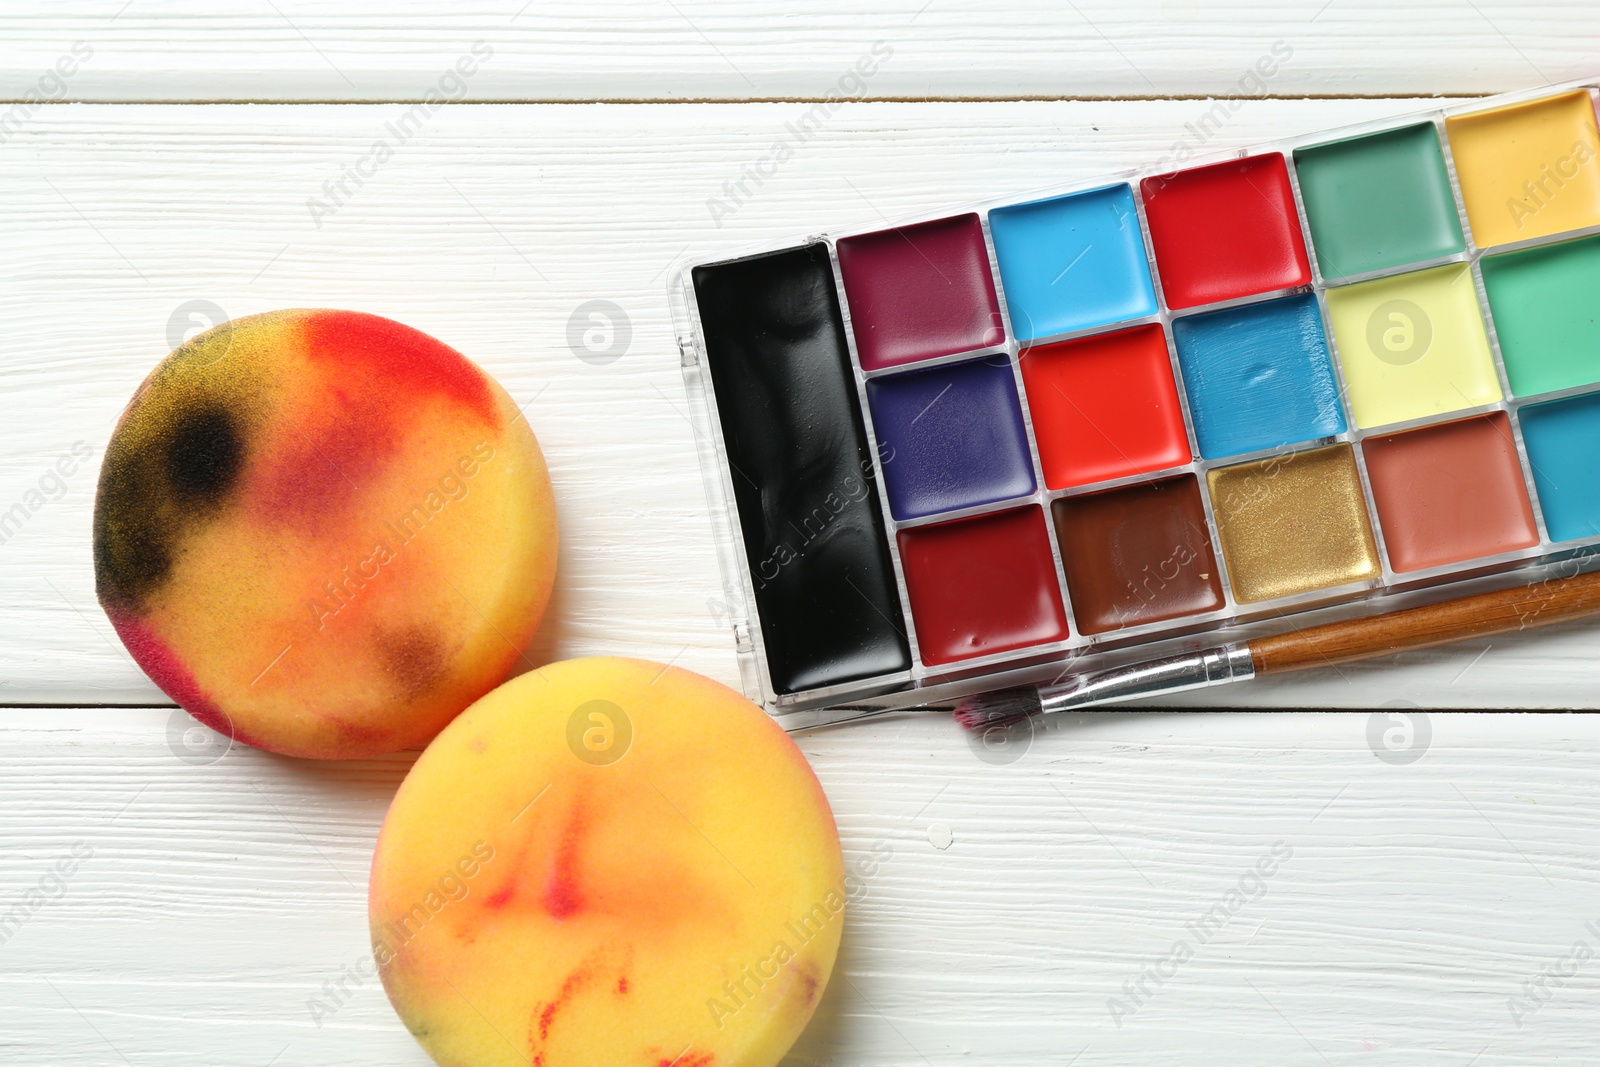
(1482, 615)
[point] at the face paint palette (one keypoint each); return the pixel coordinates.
(1323, 378)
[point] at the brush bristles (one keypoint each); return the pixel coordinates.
(1007, 707)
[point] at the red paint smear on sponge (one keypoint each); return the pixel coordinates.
(320, 469)
(508, 890)
(808, 979)
(562, 898)
(168, 672)
(569, 989)
(689, 1059)
(396, 357)
(546, 1018)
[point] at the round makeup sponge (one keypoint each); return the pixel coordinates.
(608, 861)
(323, 533)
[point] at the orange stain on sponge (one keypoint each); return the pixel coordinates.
(323, 533)
(608, 861)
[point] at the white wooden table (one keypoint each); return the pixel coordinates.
(1435, 889)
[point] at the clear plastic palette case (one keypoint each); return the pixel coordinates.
(1325, 377)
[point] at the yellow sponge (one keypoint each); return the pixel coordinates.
(608, 861)
(323, 533)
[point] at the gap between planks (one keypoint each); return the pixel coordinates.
(543, 101)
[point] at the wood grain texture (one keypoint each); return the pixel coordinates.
(1009, 906)
(742, 49)
(489, 229)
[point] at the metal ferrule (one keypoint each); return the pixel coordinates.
(1175, 674)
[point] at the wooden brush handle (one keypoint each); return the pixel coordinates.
(1504, 611)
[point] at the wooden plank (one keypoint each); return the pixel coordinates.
(489, 228)
(652, 50)
(1010, 908)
